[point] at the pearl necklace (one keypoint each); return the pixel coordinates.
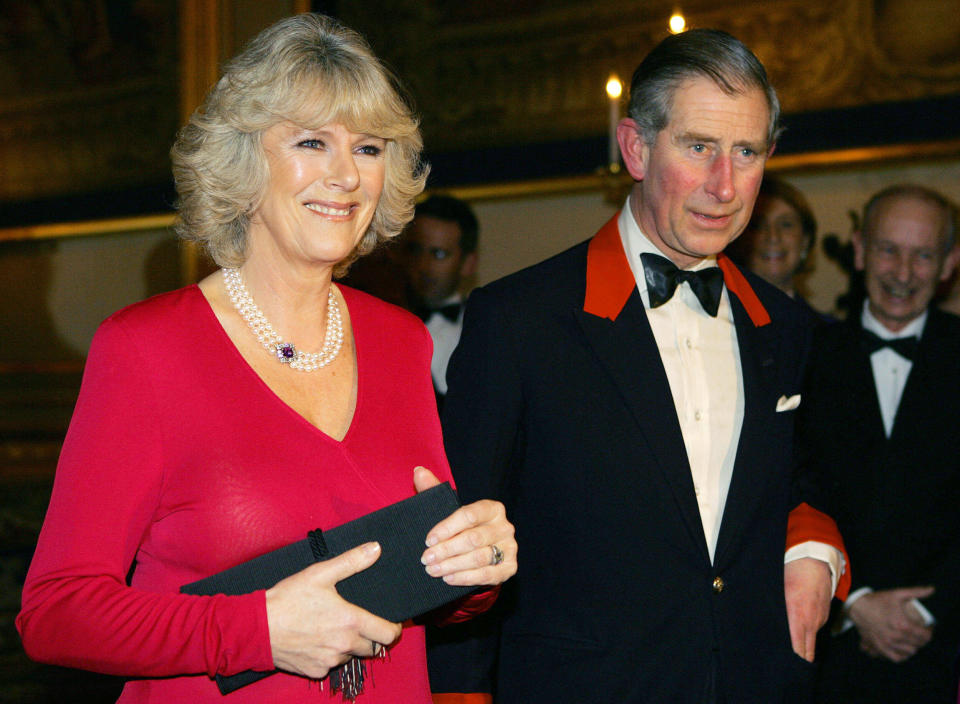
(285, 352)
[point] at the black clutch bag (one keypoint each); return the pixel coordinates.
(396, 587)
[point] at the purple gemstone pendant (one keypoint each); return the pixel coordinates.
(286, 352)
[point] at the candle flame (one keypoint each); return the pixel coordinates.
(614, 87)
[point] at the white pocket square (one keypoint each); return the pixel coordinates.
(788, 404)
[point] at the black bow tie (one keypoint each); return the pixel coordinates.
(451, 312)
(906, 347)
(663, 277)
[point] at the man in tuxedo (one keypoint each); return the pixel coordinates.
(632, 401)
(879, 424)
(440, 252)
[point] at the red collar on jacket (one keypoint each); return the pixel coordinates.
(610, 280)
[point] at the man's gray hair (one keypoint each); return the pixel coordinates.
(707, 53)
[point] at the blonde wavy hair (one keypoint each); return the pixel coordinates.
(312, 71)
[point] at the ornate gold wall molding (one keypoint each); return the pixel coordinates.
(87, 139)
(91, 97)
(489, 74)
(87, 96)
(535, 71)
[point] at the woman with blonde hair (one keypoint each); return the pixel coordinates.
(227, 419)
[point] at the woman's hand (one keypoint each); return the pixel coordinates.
(472, 546)
(313, 629)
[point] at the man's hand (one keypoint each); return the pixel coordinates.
(808, 591)
(888, 625)
(463, 548)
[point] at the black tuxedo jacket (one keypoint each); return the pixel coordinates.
(566, 415)
(896, 500)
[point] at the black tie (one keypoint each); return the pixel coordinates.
(663, 277)
(906, 347)
(451, 312)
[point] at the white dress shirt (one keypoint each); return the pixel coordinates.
(446, 335)
(890, 370)
(701, 358)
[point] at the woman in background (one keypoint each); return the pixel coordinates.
(227, 419)
(777, 242)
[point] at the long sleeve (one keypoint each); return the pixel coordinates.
(77, 608)
(942, 570)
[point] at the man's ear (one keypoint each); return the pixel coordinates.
(859, 250)
(950, 262)
(468, 266)
(634, 150)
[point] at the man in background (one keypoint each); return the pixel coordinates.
(879, 424)
(440, 253)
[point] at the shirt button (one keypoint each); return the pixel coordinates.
(697, 415)
(688, 343)
(717, 585)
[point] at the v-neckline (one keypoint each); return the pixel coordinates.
(250, 371)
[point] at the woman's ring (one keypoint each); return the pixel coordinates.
(497, 557)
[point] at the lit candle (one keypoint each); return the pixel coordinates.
(614, 89)
(677, 22)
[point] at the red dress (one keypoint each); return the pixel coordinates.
(181, 461)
